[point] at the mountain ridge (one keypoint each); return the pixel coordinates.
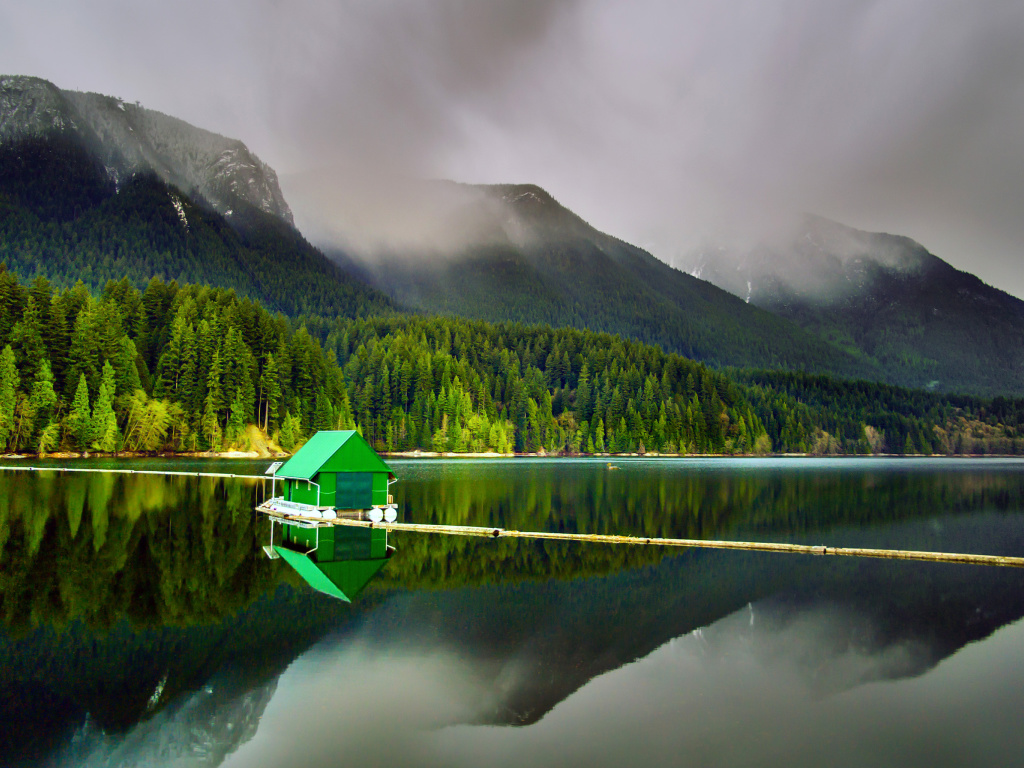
(887, 297)
(63, 218)
(529, 259)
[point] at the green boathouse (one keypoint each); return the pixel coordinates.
(336, 469)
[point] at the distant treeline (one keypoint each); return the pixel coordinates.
(185, 368)
(821, 414)
(566, 390)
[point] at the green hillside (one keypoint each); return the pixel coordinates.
(185, 368)
(940, 328)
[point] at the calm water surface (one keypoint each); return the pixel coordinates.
(141, 624)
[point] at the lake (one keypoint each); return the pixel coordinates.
(142, 623)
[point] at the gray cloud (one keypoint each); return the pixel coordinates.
(663, 123)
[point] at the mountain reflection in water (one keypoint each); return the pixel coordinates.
(141, 618)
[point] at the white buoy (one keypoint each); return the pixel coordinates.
(376, 515)
(390, 515)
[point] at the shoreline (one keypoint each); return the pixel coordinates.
(494, 455)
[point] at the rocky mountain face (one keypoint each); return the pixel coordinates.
(130, 140)
(886, 299)
(94, 189)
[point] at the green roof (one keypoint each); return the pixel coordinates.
(313, 576)
(343, 579)
(323, 446)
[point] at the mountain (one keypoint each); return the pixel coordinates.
(512, 252)
(95, 189)
(886, 299)
(129, 140)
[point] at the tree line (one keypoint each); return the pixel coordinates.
(178, 367)
(173, 367)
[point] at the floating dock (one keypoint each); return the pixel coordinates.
(751, 546)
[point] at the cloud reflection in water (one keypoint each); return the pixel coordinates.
(760, 687)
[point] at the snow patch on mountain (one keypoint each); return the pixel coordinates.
(176, 202)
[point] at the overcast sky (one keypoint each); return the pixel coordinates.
(669, 124)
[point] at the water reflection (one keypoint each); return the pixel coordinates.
(687, 498)
(336, 561)
(123, 599)
(754, 698)
(200, 728)
(95, 548)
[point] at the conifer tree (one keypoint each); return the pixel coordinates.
(8, 393)
(105, 435)
(78, 425)
(236, 420)
(27, 339)
(270, 388)
(212, 431)
(43, 399)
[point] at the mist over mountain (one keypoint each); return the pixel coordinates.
(129, 140)
(883, 297)
(512, 252)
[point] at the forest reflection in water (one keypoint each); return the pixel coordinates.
(125, 597)
(179, 550)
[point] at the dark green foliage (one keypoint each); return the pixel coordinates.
(868, 417)
(53, 176)
(215, 357)
(574, 391)
(473, 386)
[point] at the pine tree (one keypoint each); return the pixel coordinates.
(324, 416)
(105, 435)
(27, 339)
(78, 424)
(291, 432)
(8, 393)
(236, 420)
(43, 399)
(212, 406)
(270, 389)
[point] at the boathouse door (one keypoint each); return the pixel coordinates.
(354, 490)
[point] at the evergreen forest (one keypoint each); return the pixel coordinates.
(196, 368)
